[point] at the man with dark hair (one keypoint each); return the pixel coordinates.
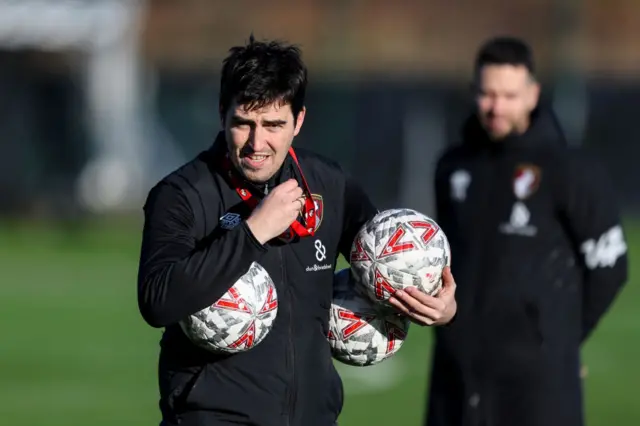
(539, 252)
(244, 200)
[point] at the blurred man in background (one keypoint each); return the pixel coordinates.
(538, 250)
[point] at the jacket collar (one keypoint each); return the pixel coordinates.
(544, 130)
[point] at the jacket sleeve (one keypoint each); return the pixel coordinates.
(591, 214)
(358, 209)
(179, 275)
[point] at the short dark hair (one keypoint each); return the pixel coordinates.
(263, 72)
(505, 51)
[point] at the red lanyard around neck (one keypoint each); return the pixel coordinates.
(302, 228)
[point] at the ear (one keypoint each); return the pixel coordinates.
(534, 95)
(299, 120)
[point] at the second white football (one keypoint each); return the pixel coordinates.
(360, 333)
(396, 249)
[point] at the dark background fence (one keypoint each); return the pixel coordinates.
(387, 133)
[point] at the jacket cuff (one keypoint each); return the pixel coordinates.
(252, 237)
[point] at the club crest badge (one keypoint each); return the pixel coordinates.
(318, 209)
(526, 180)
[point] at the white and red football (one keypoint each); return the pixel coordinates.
(396, 249)
(240, 319)
(360, 333)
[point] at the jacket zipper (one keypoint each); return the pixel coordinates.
(291, 394)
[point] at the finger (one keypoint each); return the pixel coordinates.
(292, 195)
(287, 186)
(408, 312)
(297, 192)
(434, 310)
(294, 207)
(413, 295)
(294, 187)
(401, 306)
(447, 278)
(448, 286)
(421, 321)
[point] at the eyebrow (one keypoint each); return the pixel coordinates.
(238, 119)
(242, 120)
(276, 122)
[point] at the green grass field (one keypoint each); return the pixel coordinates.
(76, 352)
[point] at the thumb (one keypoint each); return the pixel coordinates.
(448, 283)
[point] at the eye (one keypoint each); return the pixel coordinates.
(273, 127)
(239, 123)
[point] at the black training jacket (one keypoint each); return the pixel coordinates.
(538, 254)
(188, 262)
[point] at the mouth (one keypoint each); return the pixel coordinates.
(495, 121)
(255, 160)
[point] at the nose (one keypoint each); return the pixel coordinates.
(498, 105)
(258, 139)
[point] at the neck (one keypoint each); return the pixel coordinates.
(518, 130)
(266, 185)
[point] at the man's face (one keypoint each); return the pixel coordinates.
(506, 97)
(259, 140)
